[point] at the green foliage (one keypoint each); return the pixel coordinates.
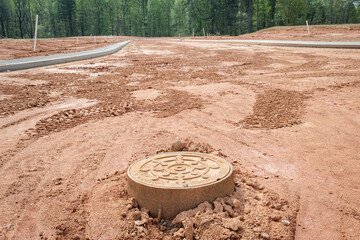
(292, 12)
(153, 18)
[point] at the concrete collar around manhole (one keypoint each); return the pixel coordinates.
(170, 183)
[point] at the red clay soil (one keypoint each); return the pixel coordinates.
(24, 48)
(288, 120)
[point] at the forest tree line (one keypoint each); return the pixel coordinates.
(153, 18)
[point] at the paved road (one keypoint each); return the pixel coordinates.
(313, 44)
(26, 63)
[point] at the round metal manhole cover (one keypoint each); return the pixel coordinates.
(177, 181)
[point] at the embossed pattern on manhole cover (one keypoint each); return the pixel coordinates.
(179, 170)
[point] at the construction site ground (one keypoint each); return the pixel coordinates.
(288, 119)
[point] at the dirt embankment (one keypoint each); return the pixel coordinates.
(332, 33)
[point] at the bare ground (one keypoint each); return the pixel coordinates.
(286, 118)
(333, 33)
(24, 48)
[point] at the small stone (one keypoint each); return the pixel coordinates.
(135, 215)
(234, 202)
(10, 225)
(123, 214)
(188, 228)
(233, 224)
(275, 217)
(229, 210)
(265, 235)
(178, 146)
(140, 222)
(141, 229)
(180, 233)
(173, 230)
(134, 203)
(277, 206)
(202, 207)
(257, 229)
(218, 207)
(286, 222)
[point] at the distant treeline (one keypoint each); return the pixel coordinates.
(152, 18)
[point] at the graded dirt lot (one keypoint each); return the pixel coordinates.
(24, 48)
(288, 120)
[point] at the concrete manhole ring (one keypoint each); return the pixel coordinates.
(169, 183)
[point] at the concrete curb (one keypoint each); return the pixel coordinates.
(25, 63)
(310, 44)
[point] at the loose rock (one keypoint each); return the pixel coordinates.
(180, 233)
(286, 222)
(218, 207)
(178, 146)
(265, 235)
(233, 224)
(189, 228)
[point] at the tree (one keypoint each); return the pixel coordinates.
(67, 13)
(59, 18)
(4, 17)
(293, 12)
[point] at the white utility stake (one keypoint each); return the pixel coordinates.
(36, 24)
(204, 32)
(77, 40)
(307, 25)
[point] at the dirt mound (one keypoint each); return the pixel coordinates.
(275, 109)
(73, 117)
(251, 212)
(26, 97)
(172, 103)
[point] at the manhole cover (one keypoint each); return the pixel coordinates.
(169, 183)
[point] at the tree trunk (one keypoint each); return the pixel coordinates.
(124, 17)
(30, 21)
(20, 27)
(225, 22)
(234, 25)
(117, 22)
(272, 12)
(241, 23)
(3, 26)
(250, 15)
(257, 15)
